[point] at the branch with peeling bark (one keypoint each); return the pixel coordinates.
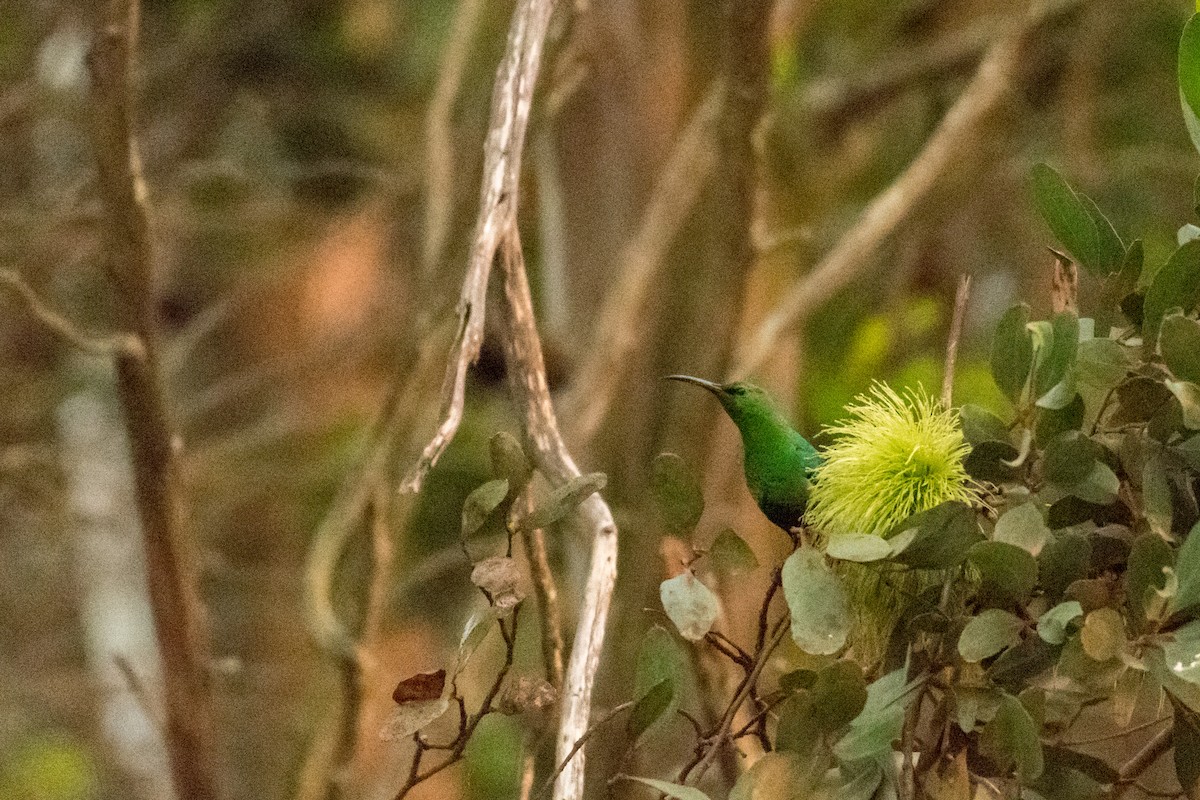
(854, 250)
(129, 264)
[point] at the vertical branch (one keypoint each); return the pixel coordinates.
(531, 394)
(550, 616)
(128, 258)
(961, 296)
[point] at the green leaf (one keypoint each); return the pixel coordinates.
(1012, 352)
(691, 606)
(1189, 451)
(1189, 77)
(660, 659)
(980, 425)
(989, 633)
(1053, 421)
(1011, 739)
(839, 694)
(675, 790)
(1186, 737)
(1065, 558)
(1188, 395)
(1068, 217)
(1024, 527)
(1100, 486)
(1016, 666)
(1101, 363)
(1181, 654)
(677, 493)
(649, 708)
(775, 776)
(1055, 366)
(480, 504)
(565, 499)
(1175, 285)
(1110, 248)
(1158, 506)
(1103, 634)
(1007, 570)
(859, 547)
(990, 462)
(729, 553)
(1139, 399)
(1187, 570)
(1069, 459)
(799, 729)
(817, 601)
(1052, 626)
(1144, 574)
(509, 461)
(943, 535)
(878, 724)
(1179, 343)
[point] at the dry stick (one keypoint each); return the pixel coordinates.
(597, 725)
(546, 591)
(178, 617)
(853, 251)
(617, 327)
(1134, 767)
(956, 325)
(59, 325)
(512, 97)
(439, 132)
(531, 394)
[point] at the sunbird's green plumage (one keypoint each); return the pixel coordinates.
(779, 463)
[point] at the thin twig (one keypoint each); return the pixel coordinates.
(549, 614)
(1132, 769)
(595, 726)
(854, 250)
(129, 263)
(512, 97)
(956, 326)
(62, 327)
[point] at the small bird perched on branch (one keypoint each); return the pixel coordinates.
(778, 462)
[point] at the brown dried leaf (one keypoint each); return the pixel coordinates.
(420, 687)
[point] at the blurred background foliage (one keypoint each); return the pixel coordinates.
(287, 152)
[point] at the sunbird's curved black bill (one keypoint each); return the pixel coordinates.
(715, 388)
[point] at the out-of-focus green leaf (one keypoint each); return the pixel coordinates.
(1055, 366)
(775, 776)
(1175, 285)
(980, 425)
(1024, 527)
(817, 601)
(1144, 574)
(1016, 666)
(839, 694)
(859, 547)
(1103, 634)
(1011, 739)
(1181, 654)
(1068, 218)
(1053, 421)
(691, 606)
(1052, 626)
(730, 553)
(649, 708)
(989, 633)
(677, 493)
(943, 535)
(1187, 570)
(480, 504)
(1069, 459)
(990, 461)
(565, 499)
(872, 731)
(678, 791)
(1065, 558)
(660, 659)
(1179, 343)
(1188, 395)
(1189, 77)
(1156, 496)
(509, 461)
(1007, 570)
(1012, 352)
(1102, 362)
(1185, 735)
(1110, 248)
(1189, 450)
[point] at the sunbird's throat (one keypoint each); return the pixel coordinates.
(778, 461)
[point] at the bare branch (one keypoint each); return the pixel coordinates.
(853, 251)
(956, 325)
(512, 97)
(546, 590)
(128, 257)
(531, 394)
(61, 326)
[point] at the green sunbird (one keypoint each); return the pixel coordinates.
(779, 463)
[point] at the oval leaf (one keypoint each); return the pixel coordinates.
(1007, 570)
(1103, 634)
(564, 499)
(480, 504)
(1024, 527)
(1011, 739)
(1175, 285)
(1067, 217)
(859, 547)
(730, 553)
(817, 602)
(669, 789)
(677, 493)
(1012, 352)
(1052, 626)
(690, 605)
(989, 633)
(1187, 570)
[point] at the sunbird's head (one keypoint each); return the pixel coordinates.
(737, 397)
